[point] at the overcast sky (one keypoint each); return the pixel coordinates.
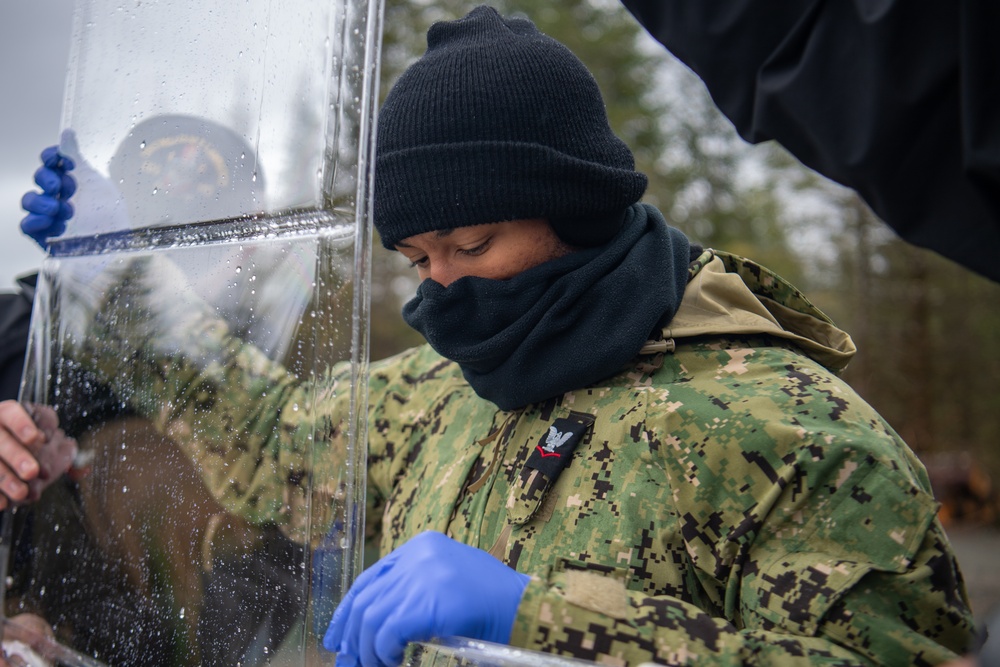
(34, 48)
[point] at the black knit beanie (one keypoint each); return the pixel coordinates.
(495, 122)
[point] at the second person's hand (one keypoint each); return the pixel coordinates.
(49, 210)
(34, 452)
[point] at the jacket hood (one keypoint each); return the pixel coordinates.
(732, 295)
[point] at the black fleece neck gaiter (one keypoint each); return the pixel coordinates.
(564, 324)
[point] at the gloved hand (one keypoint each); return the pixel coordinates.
(49, 210)
(432, 586)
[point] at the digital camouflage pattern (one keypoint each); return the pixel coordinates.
(733, 503)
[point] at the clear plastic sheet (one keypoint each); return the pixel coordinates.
(463, 652)
(201, 331)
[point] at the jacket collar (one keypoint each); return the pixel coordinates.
(732, 295)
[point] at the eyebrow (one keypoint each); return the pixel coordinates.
(441, 233)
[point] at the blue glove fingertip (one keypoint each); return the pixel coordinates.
(50, 156)
(28, 201)
(38, 228)
(390, 644)
(31, 224)
(346, 660)
(335, 631)
(53, 159)
(49, 180)
(330, 640)
(43, 205)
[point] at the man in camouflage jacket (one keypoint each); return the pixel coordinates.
(732, 503)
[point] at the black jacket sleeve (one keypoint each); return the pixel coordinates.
(893, 98)
(15, 318)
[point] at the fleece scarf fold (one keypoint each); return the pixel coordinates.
(564, 324)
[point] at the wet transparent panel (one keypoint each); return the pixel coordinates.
(200, 331)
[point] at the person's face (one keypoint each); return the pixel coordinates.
(499, 250)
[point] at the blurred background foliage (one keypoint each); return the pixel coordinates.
(927, 330)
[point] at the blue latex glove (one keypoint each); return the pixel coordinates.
(432, 586)
(49, 210)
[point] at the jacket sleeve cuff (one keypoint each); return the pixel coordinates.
(527, 621)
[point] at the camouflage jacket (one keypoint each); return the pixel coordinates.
(730, 501)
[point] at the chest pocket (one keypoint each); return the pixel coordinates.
(529, 497)
(609, 514)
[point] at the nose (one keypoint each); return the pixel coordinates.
(442, 273)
